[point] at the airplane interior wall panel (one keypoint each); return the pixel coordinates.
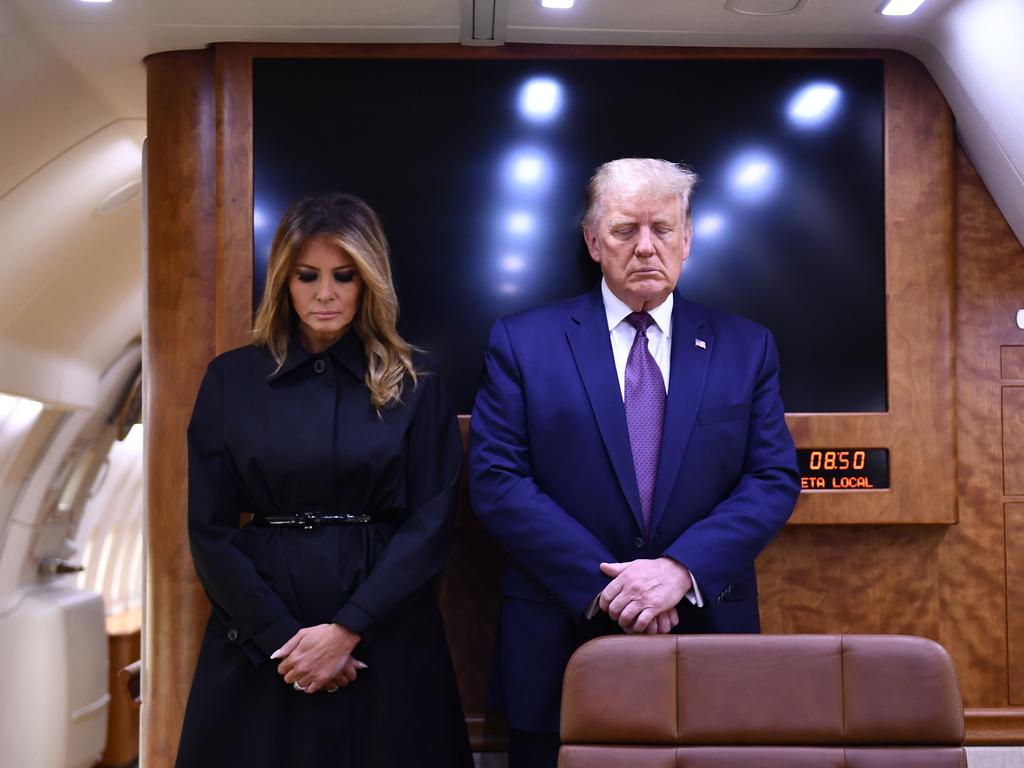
(54, 700)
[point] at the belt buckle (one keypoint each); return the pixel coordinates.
(309, 520)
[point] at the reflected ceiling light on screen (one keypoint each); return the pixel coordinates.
(709, 225)
(519, 223)
(527, 169)
(96, 1)
(899, 7)
(814, 104)
(560, 4)
(513, 263)
(753, 175)
(540, 99)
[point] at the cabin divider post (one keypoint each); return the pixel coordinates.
(178, 341)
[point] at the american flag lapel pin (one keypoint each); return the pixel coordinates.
(700, 343)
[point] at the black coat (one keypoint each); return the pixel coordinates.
(307, 438)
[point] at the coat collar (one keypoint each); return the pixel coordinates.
(348, 351)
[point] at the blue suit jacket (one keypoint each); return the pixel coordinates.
(552, 479)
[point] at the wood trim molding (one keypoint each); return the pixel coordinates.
(233, 302)
(994, 726)
(178, 339)
(919, 428)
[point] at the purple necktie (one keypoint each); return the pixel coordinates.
(645, 412)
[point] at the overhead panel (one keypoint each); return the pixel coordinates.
(484, 22)
(764, 7)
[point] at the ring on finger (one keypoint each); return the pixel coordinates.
(298, 686)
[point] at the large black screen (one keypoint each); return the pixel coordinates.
(477, 169)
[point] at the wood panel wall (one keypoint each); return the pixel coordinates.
(961, 584)
(987, 549)
(178, 342)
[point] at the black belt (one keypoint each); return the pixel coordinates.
(310, 520)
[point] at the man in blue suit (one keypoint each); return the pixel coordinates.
(628, 450)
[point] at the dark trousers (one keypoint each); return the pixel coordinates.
(532, 749)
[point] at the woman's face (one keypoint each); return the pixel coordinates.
(325, 288)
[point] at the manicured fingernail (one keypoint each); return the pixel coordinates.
(359, 665)
(275, 654)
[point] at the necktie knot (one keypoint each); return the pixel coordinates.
(640, 320)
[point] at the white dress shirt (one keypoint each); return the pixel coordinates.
(659, 334)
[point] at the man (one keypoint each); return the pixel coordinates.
(628, 450)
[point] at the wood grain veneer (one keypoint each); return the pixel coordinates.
(178, 341)
(1014, 520)
(976, 617)
(994, 726)
(1012, 362)
(1013, 441)
(233, 74)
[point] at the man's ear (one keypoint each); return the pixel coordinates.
(590, 238)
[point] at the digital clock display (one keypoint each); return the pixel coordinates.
(843, 469)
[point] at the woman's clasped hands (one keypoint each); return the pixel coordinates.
(319, 658)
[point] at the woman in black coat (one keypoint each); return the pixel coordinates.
(325, 646)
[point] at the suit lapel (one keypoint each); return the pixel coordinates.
(589, 340)
(686, 387)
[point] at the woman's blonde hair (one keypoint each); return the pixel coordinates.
(351, 225)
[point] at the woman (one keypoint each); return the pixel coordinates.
(325, 646)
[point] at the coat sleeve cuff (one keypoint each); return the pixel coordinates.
(268, 639)
(354, 617)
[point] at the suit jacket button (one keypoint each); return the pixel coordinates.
(319, 366)
(638, 542)
(232, 635)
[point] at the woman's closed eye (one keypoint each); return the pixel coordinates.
(344, 275)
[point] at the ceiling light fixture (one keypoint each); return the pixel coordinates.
(557, 3)
(97, 1)
(899, 7)
(120, 197)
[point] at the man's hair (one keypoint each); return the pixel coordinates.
(638, 177)
(350, 224)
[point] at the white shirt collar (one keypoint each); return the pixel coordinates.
(616, 310)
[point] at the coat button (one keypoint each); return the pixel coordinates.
(319, 366)
(232, 635)
(638, 543)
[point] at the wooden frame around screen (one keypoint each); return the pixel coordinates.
(919, 427)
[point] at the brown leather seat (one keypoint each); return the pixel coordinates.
(730, 701)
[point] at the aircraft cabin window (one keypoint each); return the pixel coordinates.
(109, 536)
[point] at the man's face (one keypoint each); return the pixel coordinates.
(641, 245)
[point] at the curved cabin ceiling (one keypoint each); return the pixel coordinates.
(71, 293)
(73, 97)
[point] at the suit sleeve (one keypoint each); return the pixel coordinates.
(257, 618)
(417, 550)
(721, 547)
(542, 538)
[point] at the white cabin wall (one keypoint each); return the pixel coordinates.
(975, 53)
(48, 106)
